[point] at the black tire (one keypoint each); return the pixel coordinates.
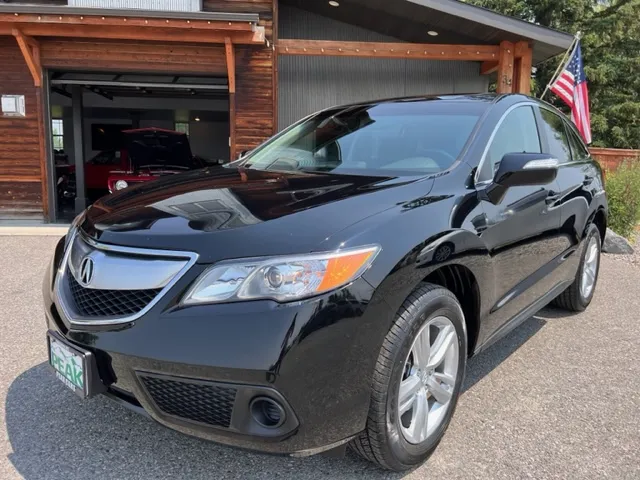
(572, 299)
(382, 442)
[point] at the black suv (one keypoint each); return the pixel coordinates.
(328, 287)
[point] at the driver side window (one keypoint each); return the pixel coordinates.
(518, 133)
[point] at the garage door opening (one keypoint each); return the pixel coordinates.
(133, 127)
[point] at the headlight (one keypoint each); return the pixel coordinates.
(280, 278)
(121, 184)
(72, 229)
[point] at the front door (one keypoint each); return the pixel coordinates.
(522, 230)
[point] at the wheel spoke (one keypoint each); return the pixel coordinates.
(421, 349)
(440, 391)
(418, 427)
(448, 380)
(439, 349)
(408, 389)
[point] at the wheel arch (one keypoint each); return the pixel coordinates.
(461, 281)
(600, 221)
(467, 267)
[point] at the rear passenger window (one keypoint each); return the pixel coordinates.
(557, 137)
(578, 149)
(518, 133)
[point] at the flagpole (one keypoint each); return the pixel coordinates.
(567, 56)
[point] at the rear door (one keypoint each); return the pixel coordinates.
(521, 230)
(579, 177)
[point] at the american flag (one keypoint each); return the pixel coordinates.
(571, 87)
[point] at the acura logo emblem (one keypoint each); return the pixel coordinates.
(86, 271)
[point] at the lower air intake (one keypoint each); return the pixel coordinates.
(195, 401)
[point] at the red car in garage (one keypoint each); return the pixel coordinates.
(149, 154)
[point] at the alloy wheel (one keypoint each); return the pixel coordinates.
(589, 268)
(429, 379)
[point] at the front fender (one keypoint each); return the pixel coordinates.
(455, 247)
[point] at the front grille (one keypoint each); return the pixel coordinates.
(90, 302)
(199, 402)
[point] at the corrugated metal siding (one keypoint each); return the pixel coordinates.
(160, 5)
(308, 84)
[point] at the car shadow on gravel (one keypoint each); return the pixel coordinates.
(54, 434)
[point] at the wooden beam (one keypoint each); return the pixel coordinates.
(31, 53)
(523, 68)
(254, 37)
(231, 73)
(487, 68)
(429, 51)
(134, 21)
(505, 68)
(521, 48)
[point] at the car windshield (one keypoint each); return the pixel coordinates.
(410, 137)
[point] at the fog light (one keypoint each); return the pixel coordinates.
(121, 185)
(267, 412)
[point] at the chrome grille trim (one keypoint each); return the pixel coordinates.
(143, 273)
(65, 305)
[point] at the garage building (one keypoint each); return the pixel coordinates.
(228, 73)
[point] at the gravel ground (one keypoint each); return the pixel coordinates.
(634, 258)
(558, 398)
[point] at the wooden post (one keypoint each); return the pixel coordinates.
(523, 68)
(505, 67)
(275, 67)
(231, 73)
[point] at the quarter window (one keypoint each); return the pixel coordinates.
(578, 150)
(518, 133)
(557, 137)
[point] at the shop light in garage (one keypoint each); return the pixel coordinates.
(197, 119)
(333, 3)
(433, 33)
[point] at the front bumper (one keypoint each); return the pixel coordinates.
(315, 358)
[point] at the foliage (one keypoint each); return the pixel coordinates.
(623, 194)
(611, 49)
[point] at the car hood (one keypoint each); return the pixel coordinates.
(226, 212)
(157, 149)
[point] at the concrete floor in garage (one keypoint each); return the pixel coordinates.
(557, 398)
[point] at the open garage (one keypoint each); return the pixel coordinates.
(90, 111)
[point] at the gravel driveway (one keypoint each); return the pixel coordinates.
(558, 398)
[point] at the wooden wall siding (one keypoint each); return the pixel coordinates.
(21, 178)
(20, 198)
(254, 76)
(133, 56)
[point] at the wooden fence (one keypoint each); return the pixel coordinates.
(612, 158)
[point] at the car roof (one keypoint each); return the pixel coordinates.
(488, 98)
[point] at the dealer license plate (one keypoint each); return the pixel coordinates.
(69, 366)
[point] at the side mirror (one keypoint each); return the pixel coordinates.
(522, 169)
(519, 170)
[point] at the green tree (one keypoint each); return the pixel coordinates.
(611, 50)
